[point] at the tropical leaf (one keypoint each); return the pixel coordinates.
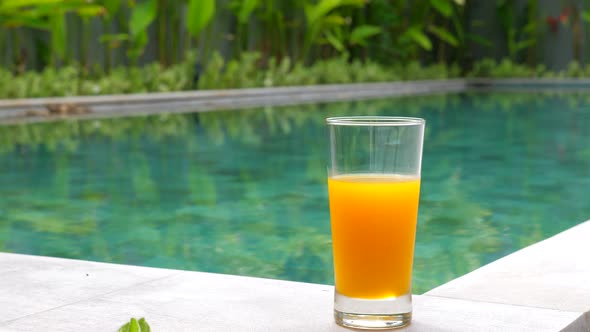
(479, 39)
(33, 15)
(91, 10)
(139, 41)
(361, 33)
(113, 37)
(524, 44)
(333, 20)
(33, 22)
(57, 26)
(142, 16)
(114, 40)
(444, 35)
(416, 34)
(444, 7)
(51, 9)
(246, 9)
(199, 14)
(8, 5)
(112, 7)
(314, 13)
(356, 3)
(335, 41)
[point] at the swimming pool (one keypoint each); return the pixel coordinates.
(244, 192)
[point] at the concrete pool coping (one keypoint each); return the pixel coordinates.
(16, 111)
(544, 287)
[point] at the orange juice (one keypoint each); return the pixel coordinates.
(373, 230)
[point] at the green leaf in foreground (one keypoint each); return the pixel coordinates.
(124, 328)
(135, 326)
(144, 325)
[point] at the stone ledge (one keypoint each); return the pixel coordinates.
(524, 291)
(552, 274)
(57, 293)
(225, 93)
(532, 82)
(15, 110)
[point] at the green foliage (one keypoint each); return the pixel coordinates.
(508, 69)
(444, 7)
(135, 325)
(111, 7)
(198, 15)
(416, 34)
(384, 31)
(48, 15)
(420, 30)
(323, 16)
(518, 36)
(244, 9)
(361, 33)
(444, 35)
(36, 13)
(244, 72)
(575, 70)
(414, 71)
(57, 25)
(142, 16)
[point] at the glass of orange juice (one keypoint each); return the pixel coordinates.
(374, 188)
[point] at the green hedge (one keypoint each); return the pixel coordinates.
(247, 73)
(218, 74)
(508, 69)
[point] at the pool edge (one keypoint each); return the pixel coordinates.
(29, 110)
(536, 292)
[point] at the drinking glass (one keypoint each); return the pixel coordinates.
(374, 187)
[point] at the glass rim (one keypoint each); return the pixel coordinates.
(374, 121)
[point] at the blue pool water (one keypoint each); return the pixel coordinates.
(244, 192)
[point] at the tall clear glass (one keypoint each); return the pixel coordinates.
(374, 188)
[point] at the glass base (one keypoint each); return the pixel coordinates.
(372, 322)
(378, 314)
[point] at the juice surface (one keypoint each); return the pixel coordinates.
(373, 220)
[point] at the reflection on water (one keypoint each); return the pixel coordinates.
(244, 192)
